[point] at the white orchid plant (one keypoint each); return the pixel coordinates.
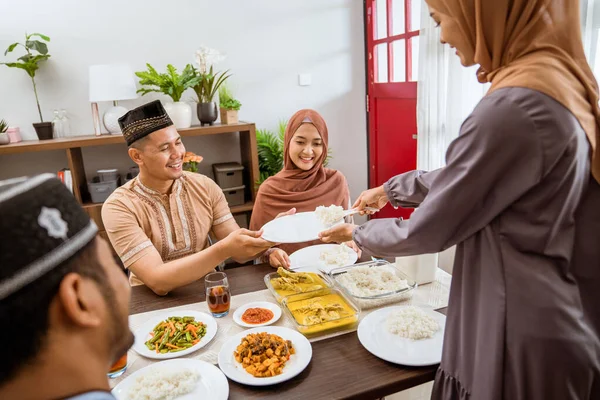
(210, 82)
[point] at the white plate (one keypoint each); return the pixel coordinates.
(293, 366)
(375, 337)
(310, 258)
(142, 334)
(237, 315)
(212, 383)
(297, 228)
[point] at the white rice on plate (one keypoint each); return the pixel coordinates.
(338, 256)
(329, 215)
(412, 323)
(163, 385)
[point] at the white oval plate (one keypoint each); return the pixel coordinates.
(212, 383)
(237, 315)
(375, 337)
(297, 228)
(309, 258)
(142, 334)
(295, 365)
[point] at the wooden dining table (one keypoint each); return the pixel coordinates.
(341, 368)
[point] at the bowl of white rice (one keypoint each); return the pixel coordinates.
(374, 283)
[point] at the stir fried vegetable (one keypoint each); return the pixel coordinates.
(175, 334)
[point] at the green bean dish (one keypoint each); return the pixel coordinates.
(175, 334)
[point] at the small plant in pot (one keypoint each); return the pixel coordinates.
(4, 139)
(208, 84)
(29, 62)
(173, 85)
(229, 106)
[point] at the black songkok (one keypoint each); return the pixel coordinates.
(144, 120)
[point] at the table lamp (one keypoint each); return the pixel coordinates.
(111, 82)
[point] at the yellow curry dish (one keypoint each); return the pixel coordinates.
(284, 283)
(320, 311)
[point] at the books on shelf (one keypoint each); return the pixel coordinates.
(66, 177)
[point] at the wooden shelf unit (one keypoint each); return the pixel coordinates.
(73, 146)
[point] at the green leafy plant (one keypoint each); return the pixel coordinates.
(3, 126)
(226, 99)
(30, 61)
(208, 84)
(271, 148)
(170, 83)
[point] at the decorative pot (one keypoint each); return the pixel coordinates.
(229, 116)
(4, 139)
(111, 119)
(43, 130)
(14, 134)
(180, 113)
(207, 113)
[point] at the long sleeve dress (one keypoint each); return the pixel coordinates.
(518, 200)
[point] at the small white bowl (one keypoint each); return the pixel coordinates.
(237, 315)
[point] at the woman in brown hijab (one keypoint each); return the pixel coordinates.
(520, 197)
(303, 184)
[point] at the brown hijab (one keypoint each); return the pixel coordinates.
(294, 187)
(534, 44)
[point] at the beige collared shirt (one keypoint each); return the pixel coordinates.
(139, 220)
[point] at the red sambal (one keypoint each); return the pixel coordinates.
(257, 315)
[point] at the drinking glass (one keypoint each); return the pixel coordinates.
(118, 368)
(218, 297)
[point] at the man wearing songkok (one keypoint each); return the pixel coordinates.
(64, 301)
(159, 222)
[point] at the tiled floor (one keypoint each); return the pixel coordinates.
(422, 392)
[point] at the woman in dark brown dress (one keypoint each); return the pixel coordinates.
(520, 198)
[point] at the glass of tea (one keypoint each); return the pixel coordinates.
(118, 368)
(218, 297)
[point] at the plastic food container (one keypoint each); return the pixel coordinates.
(99, 191)
(331, 299)
(106, 175)
(367, 302)
(281, 294)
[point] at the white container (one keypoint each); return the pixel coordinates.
(421, 268)
(106, 175)
(180, 113)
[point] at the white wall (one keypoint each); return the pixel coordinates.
(267, 42)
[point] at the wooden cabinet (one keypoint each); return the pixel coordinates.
(73, 146)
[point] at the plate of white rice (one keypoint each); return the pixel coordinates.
(405, 335)
(181, 379)
(323, 257)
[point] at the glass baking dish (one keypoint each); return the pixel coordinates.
(367, 301)
(279, 294)
(332, 308)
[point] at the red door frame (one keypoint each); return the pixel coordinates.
(404, 89)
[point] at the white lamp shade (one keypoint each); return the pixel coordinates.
(111, 82)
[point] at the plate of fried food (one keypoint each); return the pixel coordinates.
(265, 356)
(174, 334)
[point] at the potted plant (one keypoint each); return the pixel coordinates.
(172, 84)
(270, 148)
(229, 106)
(4, 139)
(30, 63)
(191, 161)
(208, 84)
